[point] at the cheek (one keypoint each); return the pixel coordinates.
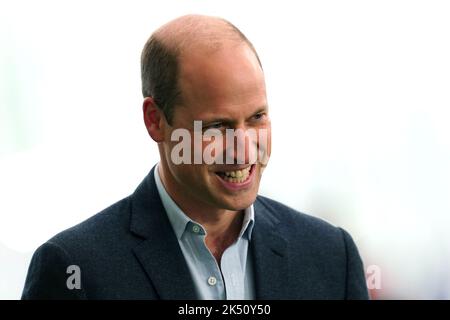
(184, 175)
(192, 175)
(264, 144)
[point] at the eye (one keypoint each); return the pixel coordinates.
(216, 125)
(259, 116)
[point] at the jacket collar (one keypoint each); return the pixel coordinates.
(159, 254)
(270, 258)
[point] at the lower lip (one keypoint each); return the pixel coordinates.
(239, 185)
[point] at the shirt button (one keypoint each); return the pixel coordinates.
(212, 281)
(196, 229)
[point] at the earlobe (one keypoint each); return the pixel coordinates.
(152, 119)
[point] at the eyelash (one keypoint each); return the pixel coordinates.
(219, 125)
(258, 116)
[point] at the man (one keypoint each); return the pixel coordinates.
(198, 230)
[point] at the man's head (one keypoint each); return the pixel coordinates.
(160, 59)
(204, 68)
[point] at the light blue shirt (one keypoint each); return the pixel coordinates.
(234, 279)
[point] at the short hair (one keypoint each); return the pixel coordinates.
(160, 70)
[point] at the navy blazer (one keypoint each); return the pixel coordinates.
(129, 251)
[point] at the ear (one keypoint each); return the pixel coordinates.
(154, 119)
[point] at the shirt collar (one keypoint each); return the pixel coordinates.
(179, 220)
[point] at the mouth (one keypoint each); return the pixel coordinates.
(237, 179)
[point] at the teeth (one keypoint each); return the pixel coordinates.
(237, 176)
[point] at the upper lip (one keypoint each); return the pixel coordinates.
(233, 168)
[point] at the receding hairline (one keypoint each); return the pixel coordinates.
(162, 54)
(198, 31)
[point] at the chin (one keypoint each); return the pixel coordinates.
(236, 204)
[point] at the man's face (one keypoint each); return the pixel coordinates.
(225, 90)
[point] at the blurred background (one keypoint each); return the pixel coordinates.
(359, 93)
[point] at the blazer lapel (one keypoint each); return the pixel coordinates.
(160, 253)
(164, 263)
(270, 259)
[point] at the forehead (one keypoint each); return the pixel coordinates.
(229, 79)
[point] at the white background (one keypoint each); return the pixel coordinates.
(359, 97)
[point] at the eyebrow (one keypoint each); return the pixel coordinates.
(230, 120)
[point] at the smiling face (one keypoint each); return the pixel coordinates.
(225, 89)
